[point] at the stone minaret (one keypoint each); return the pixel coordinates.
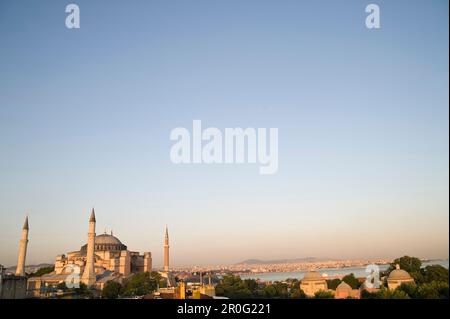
(88, 276)
(20, 271)
(166, 251)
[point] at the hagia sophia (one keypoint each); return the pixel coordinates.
(102, 259)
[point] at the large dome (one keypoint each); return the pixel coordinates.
(106, 242)
(106, 239)
(312, 275)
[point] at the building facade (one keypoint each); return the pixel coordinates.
(397, 277)
(344, 291)
(313, 282)
(103, 258)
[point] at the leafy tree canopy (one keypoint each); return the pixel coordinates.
(81, 291)
(351, 281)
(141, 283)
(322, 294)
(410, 264)
(111, 290)
(43, 271)
(333, 283)
(435, 273)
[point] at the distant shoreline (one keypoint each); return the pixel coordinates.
(330, 272)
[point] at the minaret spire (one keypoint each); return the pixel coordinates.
(25, 224)
(88, 276)
(92, 218)
(20, 270)
(166, 250)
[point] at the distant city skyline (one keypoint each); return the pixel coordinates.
(160, 260)
(362, 119)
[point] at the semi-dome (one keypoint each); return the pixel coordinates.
(312, 275)
(106, 242)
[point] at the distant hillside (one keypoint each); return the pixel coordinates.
(281, 261)
(28, 268)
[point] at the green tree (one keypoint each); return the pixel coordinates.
(435, 273)
(351, 281)
(43, 271)
(235, 288)
(270, 291)
(298, 294)
(141, 284)
(368, 295)
(322, 294)
(251, 284)
(385, 293)
(409, 288)
(433, 290)
(82, 291)
(61, 286)
(276, 290)
(398, 294)
(162, 283)
(410, 264)
(111, 290)
(220, 290)
(333, 283)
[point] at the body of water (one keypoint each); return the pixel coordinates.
(359, 272)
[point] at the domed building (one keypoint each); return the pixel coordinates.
(106, 242)
(104, 258)
(313, 282)
(397, 277)
(110, 254)
(344, 291)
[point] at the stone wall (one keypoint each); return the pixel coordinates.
(13, 287)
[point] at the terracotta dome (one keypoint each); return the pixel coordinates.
(312, 275)
(343, 286)
(399, 274)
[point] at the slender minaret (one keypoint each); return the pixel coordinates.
(20, 271)
(88, 276)
(166, 251)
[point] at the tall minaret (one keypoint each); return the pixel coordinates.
(20, 271)
(166, 251)
(88, 276)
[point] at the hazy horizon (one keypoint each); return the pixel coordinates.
(157, 251)
(362, 116)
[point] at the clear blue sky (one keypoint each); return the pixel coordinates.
(85, 118)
